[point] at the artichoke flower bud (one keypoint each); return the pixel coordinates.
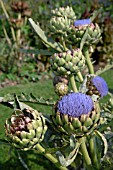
(79, 29)
(60, 25)
(76, 113)
(61, 11)
(67, 63)
(25, 129)
(58, 79)
(61, 89)
(95, 86)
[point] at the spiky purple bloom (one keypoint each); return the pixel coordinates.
(82, 22)
(101, 85)
(75, 104)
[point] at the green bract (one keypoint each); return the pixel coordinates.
(93, 35)
(67, 63)
(60, 25)
(68, 12)
(79, 126)
(25, 129)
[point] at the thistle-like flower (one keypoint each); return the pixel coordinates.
(94, 86)
(75, 104)
(82, 22)
(79, 28)
(76, 113)
(25, 129)
(101, 85)
(67, 63)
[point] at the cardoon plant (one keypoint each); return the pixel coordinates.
(75, 128)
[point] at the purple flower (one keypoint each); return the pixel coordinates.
(82, 22)
(75, 104)
(101, 85)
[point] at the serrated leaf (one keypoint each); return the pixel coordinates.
(7, 97)
(35, 99)
(68, 160)
(103, 139)
(49, 42)
(18, 102)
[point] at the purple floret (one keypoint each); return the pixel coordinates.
(75, 104)
(82, 22)
(101, 85)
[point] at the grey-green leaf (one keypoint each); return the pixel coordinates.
(49, 42)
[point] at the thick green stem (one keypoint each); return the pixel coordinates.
(88, 61)
(50, 157)
(80, 76)
(73, 83)
(92, 148)
(85, 154)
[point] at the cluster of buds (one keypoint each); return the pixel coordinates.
(61, 21)
(21, 7)
(79, 28)
(67, 63)
(62, 12)
(76, 113)
(60, 25)
(25, 129)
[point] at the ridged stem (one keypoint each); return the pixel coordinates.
(73, 83)
(6, 36)
(50, 157)
(19, 30)
(85, 154)
(80, 76)
(88, 60)
(92, 148)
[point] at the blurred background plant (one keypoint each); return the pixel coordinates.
(20, 59)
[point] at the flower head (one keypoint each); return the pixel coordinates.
(25, 128)
(101, 85)
(82, 22)
(75, 104)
